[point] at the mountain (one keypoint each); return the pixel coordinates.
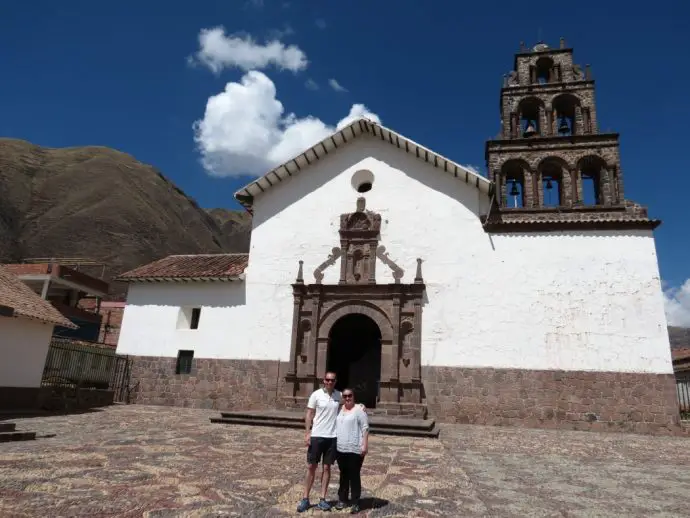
(101, 204)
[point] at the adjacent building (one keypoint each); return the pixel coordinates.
(65, 287)
(26, 327)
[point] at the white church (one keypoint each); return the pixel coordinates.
(531, 297)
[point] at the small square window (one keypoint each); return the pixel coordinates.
(184, 362)
(188, 318)
(196, 313)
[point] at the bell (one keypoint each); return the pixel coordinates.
(563, 127)
(549, 185)
(530, 131)
(514, 190)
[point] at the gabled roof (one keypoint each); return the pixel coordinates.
(341, 138)
(202, 267)
(23, 302)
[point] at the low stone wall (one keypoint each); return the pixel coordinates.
(20, 398)
(53, 398)
(602, 401)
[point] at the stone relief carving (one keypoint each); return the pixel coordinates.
(358, 221)
(512, 79)
(406, 329)
(395, 307)
(578, 74)
(332, 258)
(385, 258)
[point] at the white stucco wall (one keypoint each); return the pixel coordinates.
(568, 300)
(151, 321)
(24, 345)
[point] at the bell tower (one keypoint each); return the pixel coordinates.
(551, 167)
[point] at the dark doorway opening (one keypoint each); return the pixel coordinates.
(354, 354)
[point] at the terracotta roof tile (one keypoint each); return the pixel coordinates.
(190, 267)
(25, 303)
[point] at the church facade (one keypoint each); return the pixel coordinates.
(531, 297)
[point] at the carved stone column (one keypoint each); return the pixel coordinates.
(292, 367)
(316, 364)
(417, 342)
(395, 356)
(566, 188)
(586, 121)
(514, 125)
(604, 186)
(549, 122)
(578, 122)
(574, 189)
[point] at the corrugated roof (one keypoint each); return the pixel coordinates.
(341, 138)
(202, 267)
(679, 337)
(25, 303)
(680, 354)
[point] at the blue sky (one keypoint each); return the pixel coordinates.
(129, 75)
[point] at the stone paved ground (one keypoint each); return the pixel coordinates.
(156, 462)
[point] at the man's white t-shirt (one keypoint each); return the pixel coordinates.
(326, 408)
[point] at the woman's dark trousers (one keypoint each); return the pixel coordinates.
(350, 465)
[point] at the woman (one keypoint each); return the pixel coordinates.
(352, 444)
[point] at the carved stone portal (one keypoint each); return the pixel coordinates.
(394, 307)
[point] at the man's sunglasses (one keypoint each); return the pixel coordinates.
(329, 380)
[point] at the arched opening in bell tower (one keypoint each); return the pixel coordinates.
(564, 115)
(591, 169)
(552, 171)
(544, 70)
(513, 175)
(529, 112)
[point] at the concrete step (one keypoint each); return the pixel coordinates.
(377, 425)
(17, 436)
(7, 427)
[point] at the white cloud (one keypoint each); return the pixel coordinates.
(218, 51)
(320, 23)
(311, 84)
(336, 86)
(245, 131)
(677, 305)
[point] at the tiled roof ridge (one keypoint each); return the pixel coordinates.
(25, 303)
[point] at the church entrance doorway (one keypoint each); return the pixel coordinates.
(354, 354)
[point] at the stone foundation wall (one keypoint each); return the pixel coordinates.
(53, 398)
(601, 401)
(212, 383)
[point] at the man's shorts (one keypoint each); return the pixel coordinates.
(321, 447)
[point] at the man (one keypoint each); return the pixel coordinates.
(322, 411)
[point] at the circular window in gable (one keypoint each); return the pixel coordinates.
(363, 180)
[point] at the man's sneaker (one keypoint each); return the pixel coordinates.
(355, 509)
(323, 505)
(303, 505)
(340, 505)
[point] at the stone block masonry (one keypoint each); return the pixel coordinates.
(212, 384)
(578, 400)
(597, 401)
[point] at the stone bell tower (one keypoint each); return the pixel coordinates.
(551, 168)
